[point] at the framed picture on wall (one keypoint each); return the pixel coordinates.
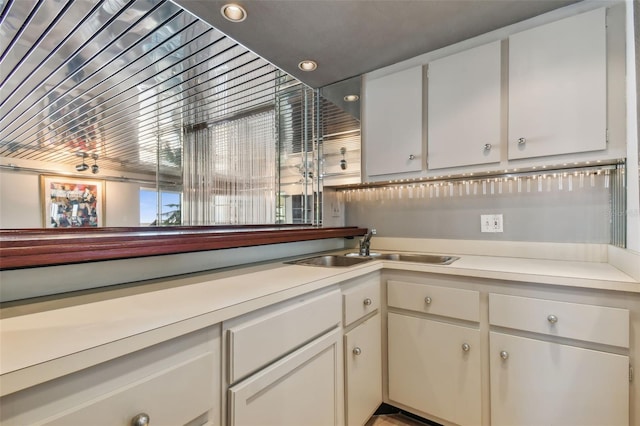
(69, 202)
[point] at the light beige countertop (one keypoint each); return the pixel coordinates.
(43, 344)
(594, 275)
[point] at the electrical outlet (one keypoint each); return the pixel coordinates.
(491, 223)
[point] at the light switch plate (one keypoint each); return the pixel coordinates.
(491, 223)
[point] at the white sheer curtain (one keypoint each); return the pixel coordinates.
(230, 172)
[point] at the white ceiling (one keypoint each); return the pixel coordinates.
(348, 38)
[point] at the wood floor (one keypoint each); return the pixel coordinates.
(393, 420)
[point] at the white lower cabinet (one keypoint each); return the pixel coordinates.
(172, 383)
(537, 358)
(434, 350)
(284, 363)
(363, 371)
(303, 388)
(534, 382)
(573, 369)
(434, 367)
(458, 352)
(361, 298)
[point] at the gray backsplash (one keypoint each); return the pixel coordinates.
(582, 215)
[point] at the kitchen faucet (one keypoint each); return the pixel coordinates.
(365, 243)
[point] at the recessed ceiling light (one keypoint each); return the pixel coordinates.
(307, 65)
(233, 12)
(351, 98)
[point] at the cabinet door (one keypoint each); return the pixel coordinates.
(392, 132)
(363, 371)
(304, 388)
(435, 368)
(541, 383)
(464, 108)
(557, 87)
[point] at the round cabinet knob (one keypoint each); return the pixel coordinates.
(504, 355)
(141, 419)
(552, 319)
(412, 157)
(357, 351)
(466, 347)
(367, 302)
(427, 300)
(522, 141)
(487, 147)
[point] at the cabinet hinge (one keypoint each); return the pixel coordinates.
(606, 137)
(630, 373)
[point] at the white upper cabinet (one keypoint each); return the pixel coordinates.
(464, 108)
(548, 94)
(392, 116)
(558, 87)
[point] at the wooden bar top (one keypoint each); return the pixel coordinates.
(28, 248)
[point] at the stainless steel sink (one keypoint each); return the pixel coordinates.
(408, 257)
(350, 259)
(331, 260)
(420, 258)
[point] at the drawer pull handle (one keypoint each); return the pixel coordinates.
(466, 347)
(427, 300)
(412, 157)
(367, 302)
(141, 419)
(552, 319)
(357, 351)
(487, 147)
(504, 355)
(522, 141)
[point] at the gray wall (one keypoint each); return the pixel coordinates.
(578, 216)
(21, 201)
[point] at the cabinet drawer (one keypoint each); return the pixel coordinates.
(174, 383)
(361, 300)
(263, 337)
(155, 396)
(590, 323)
(436, 300)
